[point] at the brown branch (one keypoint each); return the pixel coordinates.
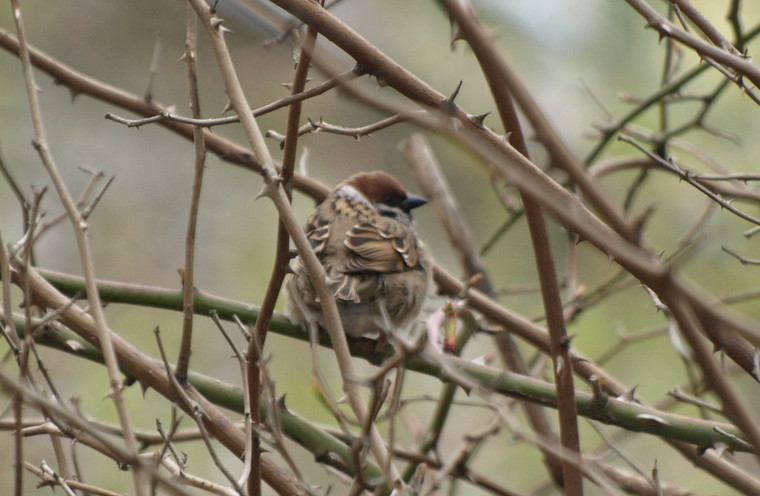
(725, 323)
(704, 25)
(79, 226)
(152, 375)
(420, 156)
(639, 263)
(80, 83)
(672, 167)
(497, 74)
(282, 255)
(188, 271)
(357, 132)
(586, 368)
(712, 183)
(273, 189)
(720, 55)
(198, 414)
(733, 405)
(743, 260)
(74, 422)
(165, 115)
(47, 479)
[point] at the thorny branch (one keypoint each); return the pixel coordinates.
(583, 205)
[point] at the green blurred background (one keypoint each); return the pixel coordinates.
(137, 231)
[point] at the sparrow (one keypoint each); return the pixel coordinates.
(377, 268)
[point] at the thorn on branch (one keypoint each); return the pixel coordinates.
(216, 22)
(448, 104)
(269, 186)
(314, 125)
(652, 420)
(630, 395)
(479, 119)
(281, 404)
(600, 396)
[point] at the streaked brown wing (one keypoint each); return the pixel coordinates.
(317, 231)
(386, 246)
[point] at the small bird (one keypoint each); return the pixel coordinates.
(377, 268)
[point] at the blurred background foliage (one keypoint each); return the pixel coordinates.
(565, 51)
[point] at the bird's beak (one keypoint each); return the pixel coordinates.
(412, 201)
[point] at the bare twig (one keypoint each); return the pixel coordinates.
(728, 58)
(79, 225)
(165, 115)
(684, 397)
(671, 166)
(742, 259)
(661, 274)
(8, 328)
(421, 159)
(192, 480)
(57, 477)
(273, 189)
(273, 406)
(282, 258)
(733, 404)
(168, 438)
(248, 428)
(198, 414)
(428, 174)
(153, 375)
(704, 25)
(358, 132)
(46, 478)
(114, 449)
(188, 271)
(498, 76)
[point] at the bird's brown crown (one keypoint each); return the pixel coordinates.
(377, 186)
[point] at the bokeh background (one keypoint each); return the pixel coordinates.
(565, 51)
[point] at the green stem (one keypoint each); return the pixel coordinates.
(622, 413)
